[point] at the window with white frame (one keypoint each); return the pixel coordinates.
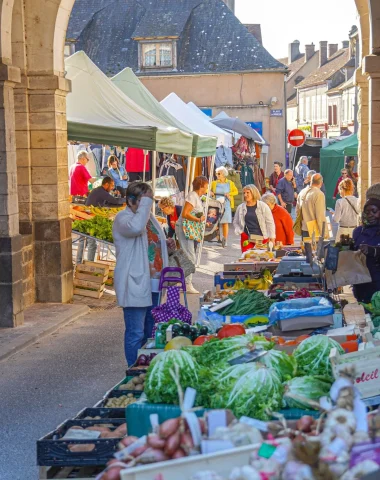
(157, 55)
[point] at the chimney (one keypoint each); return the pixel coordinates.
(345, 44)
(333, 48)
(294, 51)
(309, 51)
(322, 53)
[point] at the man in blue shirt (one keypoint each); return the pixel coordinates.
(100, 196)
(285, 190)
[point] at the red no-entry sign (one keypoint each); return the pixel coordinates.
(296, 138)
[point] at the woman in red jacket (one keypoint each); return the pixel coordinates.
(282, 220)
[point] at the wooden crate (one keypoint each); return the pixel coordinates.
(82, 473)
(79, 213)
(110, 263)
(90, 279)
(89, 293)
(367, 364)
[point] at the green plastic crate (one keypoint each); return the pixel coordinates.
(297, 413)
(137, 416)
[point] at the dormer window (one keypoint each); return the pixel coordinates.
(157, 55)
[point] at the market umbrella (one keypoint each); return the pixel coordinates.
(238, 126)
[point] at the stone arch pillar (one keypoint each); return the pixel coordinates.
(371, 68)
(11, 299)
(45, 24)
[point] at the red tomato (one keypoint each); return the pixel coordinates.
(231, 331)
(202, 339)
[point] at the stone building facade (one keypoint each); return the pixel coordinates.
(35, 229)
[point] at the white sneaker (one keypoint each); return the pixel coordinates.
(190, 289)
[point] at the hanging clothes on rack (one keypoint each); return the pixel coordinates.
(223, 157)
(241, 148)
(134, 164)
(259, 177)
(170, 167)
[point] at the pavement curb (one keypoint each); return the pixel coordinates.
(29, 338)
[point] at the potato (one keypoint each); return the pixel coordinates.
(81, 448)
(122, 430)
(139, 388)
(137, 380)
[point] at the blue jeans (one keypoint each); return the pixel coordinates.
(139, 323)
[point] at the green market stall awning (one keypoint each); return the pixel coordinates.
(98, 112)
(131, 86)
(332, 161)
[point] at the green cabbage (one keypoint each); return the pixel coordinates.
(310, 388)
(216, 384)
(255, 393)
(312, 355)
(284, 364)
(211, 353)
(160, 386)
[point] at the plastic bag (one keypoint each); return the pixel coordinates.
(300, 307)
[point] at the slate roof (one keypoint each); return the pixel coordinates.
(292, 101)
(324, 73)
(211, 38)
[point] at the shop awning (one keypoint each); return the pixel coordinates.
(98, 112)
(130, 85)
(332, 161)
(178, 108)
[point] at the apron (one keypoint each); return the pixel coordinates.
(221, 190)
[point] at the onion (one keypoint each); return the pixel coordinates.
(178, 454)
(305, 423)
(172, 443)
(169, 427)
(155, 441)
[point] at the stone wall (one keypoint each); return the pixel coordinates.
(28, 280)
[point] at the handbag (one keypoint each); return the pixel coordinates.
(181, 260)
(354, 209)
(297, 227)
(193, 230)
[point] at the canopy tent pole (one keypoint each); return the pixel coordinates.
(144, 168)
(199, 253)
(188, 176)
(154, 169)
(194, 159)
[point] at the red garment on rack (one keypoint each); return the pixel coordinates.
(134, 161)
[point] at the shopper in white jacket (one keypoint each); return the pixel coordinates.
(253, 217)
(141, 254)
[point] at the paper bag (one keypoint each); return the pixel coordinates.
(352, 270)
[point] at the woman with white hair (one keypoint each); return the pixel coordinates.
(282, 220)
(253, 218)
(224, 188)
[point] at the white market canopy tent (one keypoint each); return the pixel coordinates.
(132, 87)
(178, 108)
(98, 112)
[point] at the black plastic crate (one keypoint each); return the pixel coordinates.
(102, 413)
(130, 372)
(51, 451)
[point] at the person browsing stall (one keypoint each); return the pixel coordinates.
(141, 254)
(282, 220)
(313, 204)
(190, 226)
(101, 197)
(222, 187)
(276, 176)
(367, 240)
(118, 174)
(172, 212)
(80, 176)
(285, 190)
(347, 209)
(343, 176)
(301, 172)
(253, 217)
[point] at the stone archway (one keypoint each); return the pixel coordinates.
(35, 230)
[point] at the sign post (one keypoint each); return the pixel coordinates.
(296, 138)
